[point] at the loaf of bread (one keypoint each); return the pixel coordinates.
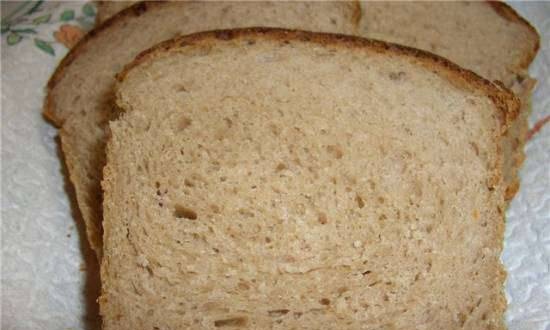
(275, 179)
(80, 91)
(81, 88)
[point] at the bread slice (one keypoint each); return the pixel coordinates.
(487, 37)
(271, 179)
(80, 91)
(81, 86)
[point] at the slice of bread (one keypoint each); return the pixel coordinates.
(80, 91)
(81, 86)
(274, 179)
(489, 38)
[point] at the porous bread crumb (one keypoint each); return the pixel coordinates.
(283, 249)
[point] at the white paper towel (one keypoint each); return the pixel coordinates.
(44, 283)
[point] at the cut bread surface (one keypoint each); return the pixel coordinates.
(80, 92)
(266, 178)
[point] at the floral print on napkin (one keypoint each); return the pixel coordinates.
(25, 21)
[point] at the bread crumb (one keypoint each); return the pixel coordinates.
(357, 244)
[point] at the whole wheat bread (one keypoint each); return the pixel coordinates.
(81, 86)
(80, 91)
(267, 179)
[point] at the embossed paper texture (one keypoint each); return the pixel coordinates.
(47, 282)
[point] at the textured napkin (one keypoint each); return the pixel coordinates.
(49, 280)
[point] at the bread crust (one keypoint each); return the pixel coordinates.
(508, 13)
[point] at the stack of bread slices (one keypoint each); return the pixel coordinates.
(297, 165)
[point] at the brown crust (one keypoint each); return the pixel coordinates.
(505, 100)
(132, 11)
(508, 13)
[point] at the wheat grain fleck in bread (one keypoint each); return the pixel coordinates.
(80, 91)
(266, 179)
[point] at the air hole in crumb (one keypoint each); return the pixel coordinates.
(324, 301)
(397, 75)
(184, 123)
(367, 272)
(359, 200)
(231, 322)
(243, 285)
(382, 217)
(216, 250)
(223, 179)
(335, 151)
(278, 312)
(322, 218)
(215, 208)
(280, 167)
(246, 213)
(183, 212)
(188, 183)
(268, 240)
(180, 88)
(475, 148)
(274, 129)
(381, 200)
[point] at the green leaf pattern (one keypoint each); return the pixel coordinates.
(33, 31)
(44, 46)
(14, 38)
(20, 24)
(88, 10)
(67, 15)
(42, 19)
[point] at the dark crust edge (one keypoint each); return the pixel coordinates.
(508, 13)
(505, 100)
(133, 11)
